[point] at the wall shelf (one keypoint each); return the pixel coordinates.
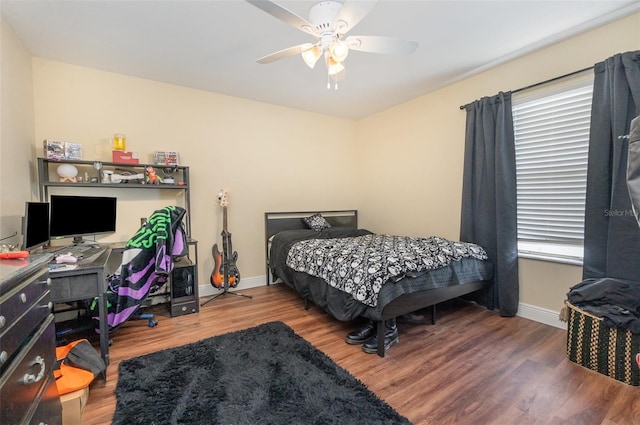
(48, 178)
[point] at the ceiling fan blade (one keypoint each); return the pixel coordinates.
(285, 53)
(285, 15)
(377, 44)
(351, 13)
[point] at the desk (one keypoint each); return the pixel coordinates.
(86, 281)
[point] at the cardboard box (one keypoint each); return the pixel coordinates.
(125, 157)
(73, 406)
(166, 158)
(54, 149)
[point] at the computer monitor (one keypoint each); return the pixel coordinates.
(78, 216)
(35, 225)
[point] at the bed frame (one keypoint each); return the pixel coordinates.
(404, 304)
(275, 222)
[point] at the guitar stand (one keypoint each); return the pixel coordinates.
(225, 286)
(224, 293)
(227, 261)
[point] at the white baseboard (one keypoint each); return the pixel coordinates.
(245, 283)
(542, 315)
(527, 311)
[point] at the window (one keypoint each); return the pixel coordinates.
(551, 126)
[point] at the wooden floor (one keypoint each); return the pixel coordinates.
(472, 367)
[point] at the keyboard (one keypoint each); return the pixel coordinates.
(78, 250)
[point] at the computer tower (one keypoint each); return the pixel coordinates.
(184, 288)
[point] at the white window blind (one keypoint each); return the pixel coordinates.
(552, 141)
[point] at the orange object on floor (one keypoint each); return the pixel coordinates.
(69, 378)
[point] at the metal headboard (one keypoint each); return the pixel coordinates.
(275, 222)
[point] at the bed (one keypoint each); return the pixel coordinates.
(288, 232)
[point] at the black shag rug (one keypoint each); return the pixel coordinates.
(262, 375)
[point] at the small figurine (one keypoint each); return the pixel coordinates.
(151, 177)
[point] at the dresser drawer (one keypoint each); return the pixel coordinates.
(14, 303)
(25, 381)
(48, 411)
(19, 330)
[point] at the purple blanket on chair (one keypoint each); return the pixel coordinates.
(147, 262)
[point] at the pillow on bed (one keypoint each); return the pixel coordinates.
(316, 222)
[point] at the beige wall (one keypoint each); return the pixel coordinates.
(411, 156)
(16, 133)
(268, 157)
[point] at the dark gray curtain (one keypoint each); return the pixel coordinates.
(489, 197)
(611, 234)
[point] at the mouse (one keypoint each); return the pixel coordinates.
(66, 258)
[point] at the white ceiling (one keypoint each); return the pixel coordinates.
(213, 45)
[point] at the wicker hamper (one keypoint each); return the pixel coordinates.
(609, 351)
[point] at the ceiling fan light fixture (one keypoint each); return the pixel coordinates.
(334, 67)
(311, 56)
(339, 51)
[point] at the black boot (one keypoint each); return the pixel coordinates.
(390, 338)
(361, 335)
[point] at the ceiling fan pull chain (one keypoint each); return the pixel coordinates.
(335, 85)
(335, 82)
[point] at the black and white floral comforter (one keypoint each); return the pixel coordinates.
(361, 265)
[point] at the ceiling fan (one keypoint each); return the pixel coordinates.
(329, 22)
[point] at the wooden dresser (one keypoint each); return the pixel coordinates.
(28, 394)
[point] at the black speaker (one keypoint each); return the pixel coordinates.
(184, 289)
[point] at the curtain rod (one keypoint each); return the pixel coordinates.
(545, 81)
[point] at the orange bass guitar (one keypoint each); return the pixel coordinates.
(225, 273)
